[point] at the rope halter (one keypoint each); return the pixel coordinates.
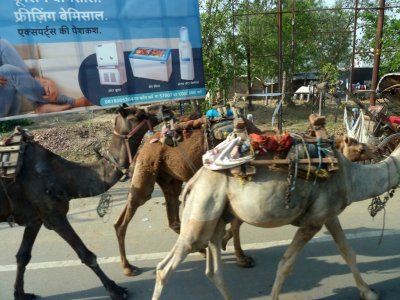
(128, 136)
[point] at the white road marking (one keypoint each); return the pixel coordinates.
(161, 255)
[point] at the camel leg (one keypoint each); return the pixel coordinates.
(164, 269)
(228, 235)
(121, 226)
(285, 266)
(141, 189)
(65, 230)
(335, 229)
(242, 260)
(214, 263)
(23, 258)
(171, 191)
(196, 235)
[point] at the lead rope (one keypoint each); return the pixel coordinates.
(377, 204)
(105, 205)
(292, 175)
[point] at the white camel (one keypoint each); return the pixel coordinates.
(264, 202)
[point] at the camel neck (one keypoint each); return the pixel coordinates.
(369, 181)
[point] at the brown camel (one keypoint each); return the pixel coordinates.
(169, 167)
(46, 182)
(263, 202)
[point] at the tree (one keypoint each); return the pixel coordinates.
(390, 55)
(217, 44)
(311, 38)
(240, 38)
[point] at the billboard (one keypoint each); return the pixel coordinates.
(98, 52)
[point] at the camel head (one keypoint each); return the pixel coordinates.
(129, 117)
(130, 126)
(354, 150)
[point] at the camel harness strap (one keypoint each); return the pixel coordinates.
(128, 136)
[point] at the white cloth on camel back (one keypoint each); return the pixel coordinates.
(358, 130)
(221, 157)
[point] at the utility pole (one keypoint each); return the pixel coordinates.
(280, 64)
(234, 45)
(354, 45)
(293, 46)
(377, 50)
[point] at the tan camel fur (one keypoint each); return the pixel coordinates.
(354, 150)
(41, 192)
(262, 202)
(349, 147)
(169, 167)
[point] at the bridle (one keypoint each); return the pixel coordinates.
(128, 136)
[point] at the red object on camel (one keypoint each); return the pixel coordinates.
(394, 119)
(264, 143)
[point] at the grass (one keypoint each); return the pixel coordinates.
(295, 118)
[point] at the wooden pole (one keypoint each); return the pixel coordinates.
(280, 63)
(377, 50)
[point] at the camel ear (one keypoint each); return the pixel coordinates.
(168, 114)
(121, 110)
(350, 141)
(141, 114)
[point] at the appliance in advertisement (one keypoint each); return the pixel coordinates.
(151, 63)
(111, 63)
(185, 55)
(110, 52)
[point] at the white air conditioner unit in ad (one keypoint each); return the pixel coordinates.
(111, 63)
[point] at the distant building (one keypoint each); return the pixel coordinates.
(304, 79)
(363, 76)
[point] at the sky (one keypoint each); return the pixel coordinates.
(329, 2)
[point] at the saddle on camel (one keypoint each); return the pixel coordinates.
(309, 154)
(217, 128)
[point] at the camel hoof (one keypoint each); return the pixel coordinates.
(370, 295)
(203, 253)
(245, 261)
(176, 227)
(131, 271)
(118, 293)
(224, 243)
(25, 296)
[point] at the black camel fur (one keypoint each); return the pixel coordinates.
(46, 182)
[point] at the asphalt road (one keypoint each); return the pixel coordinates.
(55, 272)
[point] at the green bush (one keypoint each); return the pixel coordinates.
(9, 125)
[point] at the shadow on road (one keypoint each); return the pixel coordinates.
(317, 263)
